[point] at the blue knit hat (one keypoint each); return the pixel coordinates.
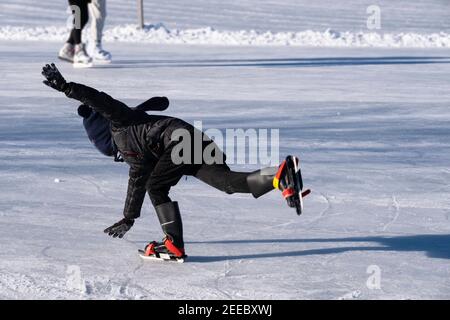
(98, 130)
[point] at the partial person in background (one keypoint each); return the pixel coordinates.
(74, 49)
(97, 9)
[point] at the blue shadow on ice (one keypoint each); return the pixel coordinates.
(434, 245)
(285, 62)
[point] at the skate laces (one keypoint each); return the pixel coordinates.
(103, 52)
(98, 49)
(69, 49)
(81, 50)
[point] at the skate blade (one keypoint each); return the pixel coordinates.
(97, 61)
(299, 206)
(300, 210)
(295, 160)
(162, 257)
(83, 65)
(65, 59)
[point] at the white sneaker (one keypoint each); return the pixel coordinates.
(80, 58)
(67, 52)
(99, 54)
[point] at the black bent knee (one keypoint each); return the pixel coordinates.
(158, 194)
(223, 179)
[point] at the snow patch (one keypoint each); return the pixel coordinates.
(159, 34)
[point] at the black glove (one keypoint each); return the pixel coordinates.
(54, 78)
(120, 228)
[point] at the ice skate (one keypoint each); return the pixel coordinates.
(98, 54)
(81, 59)
(163, 251)
(289, 181)
(67, 52)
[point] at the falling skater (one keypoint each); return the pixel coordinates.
(74, 50)
(145, 143)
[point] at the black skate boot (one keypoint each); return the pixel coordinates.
(164, 251)
(260, 182)
(172, 246)
(288, 179)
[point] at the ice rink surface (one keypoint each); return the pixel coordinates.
(371, 128)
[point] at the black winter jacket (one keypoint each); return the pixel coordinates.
(140, 138)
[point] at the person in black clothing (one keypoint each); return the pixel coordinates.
(145, 143)
(74, 50)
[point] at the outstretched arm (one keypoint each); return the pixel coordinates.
(133, 204)
(112, 109)
(138, 177)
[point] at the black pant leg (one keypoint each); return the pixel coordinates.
(222, 178)
(75, 33)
